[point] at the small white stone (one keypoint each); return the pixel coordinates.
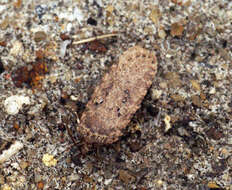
(229, 14)
(155, 94)
(63, 47)
(74, 98)
(162, 34)
(69, 27)
(100, 179)
(99, 2)
(78, 15)
(6, 187)
(167, 120)
(107, 181)
(14, 103)
(229, 140)
(168, 55)
(17, 49)
(2, 8)
(212, 91)
(73, 177)
(15, 165)
(14, 149)
(190, 176)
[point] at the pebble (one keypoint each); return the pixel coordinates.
(4, 24)
(162, 33)
(40, 36)
(177, 98)
(214, 133)
(107, 181)
(37, 177)
(78, 15)
(92, 21)
(14, 103)
(213, 185)
(155, 15)
(49, 160)
(17, 49)
(196, 86)
(40, 10)
(2, 180)
(177, 29)
(126, 177)
(196, 100)
(6, 187)
(40, 185)
(174, 80)
(163, 85)
(23, 165)
(167, 120)
(73, 177)
(155, 94)
(63, 47)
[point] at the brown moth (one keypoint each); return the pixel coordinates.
(118, 96)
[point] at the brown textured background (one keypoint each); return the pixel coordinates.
(192, 42)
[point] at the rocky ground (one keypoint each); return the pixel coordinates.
(180, 138)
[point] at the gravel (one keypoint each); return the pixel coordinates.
(180, 138)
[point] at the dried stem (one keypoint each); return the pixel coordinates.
(94, 38)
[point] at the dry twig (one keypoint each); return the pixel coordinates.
(93, 38)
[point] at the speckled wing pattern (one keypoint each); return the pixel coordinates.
(118, 96)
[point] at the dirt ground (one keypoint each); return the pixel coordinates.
(180, 138)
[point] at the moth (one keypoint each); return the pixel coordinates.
(118, 96)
